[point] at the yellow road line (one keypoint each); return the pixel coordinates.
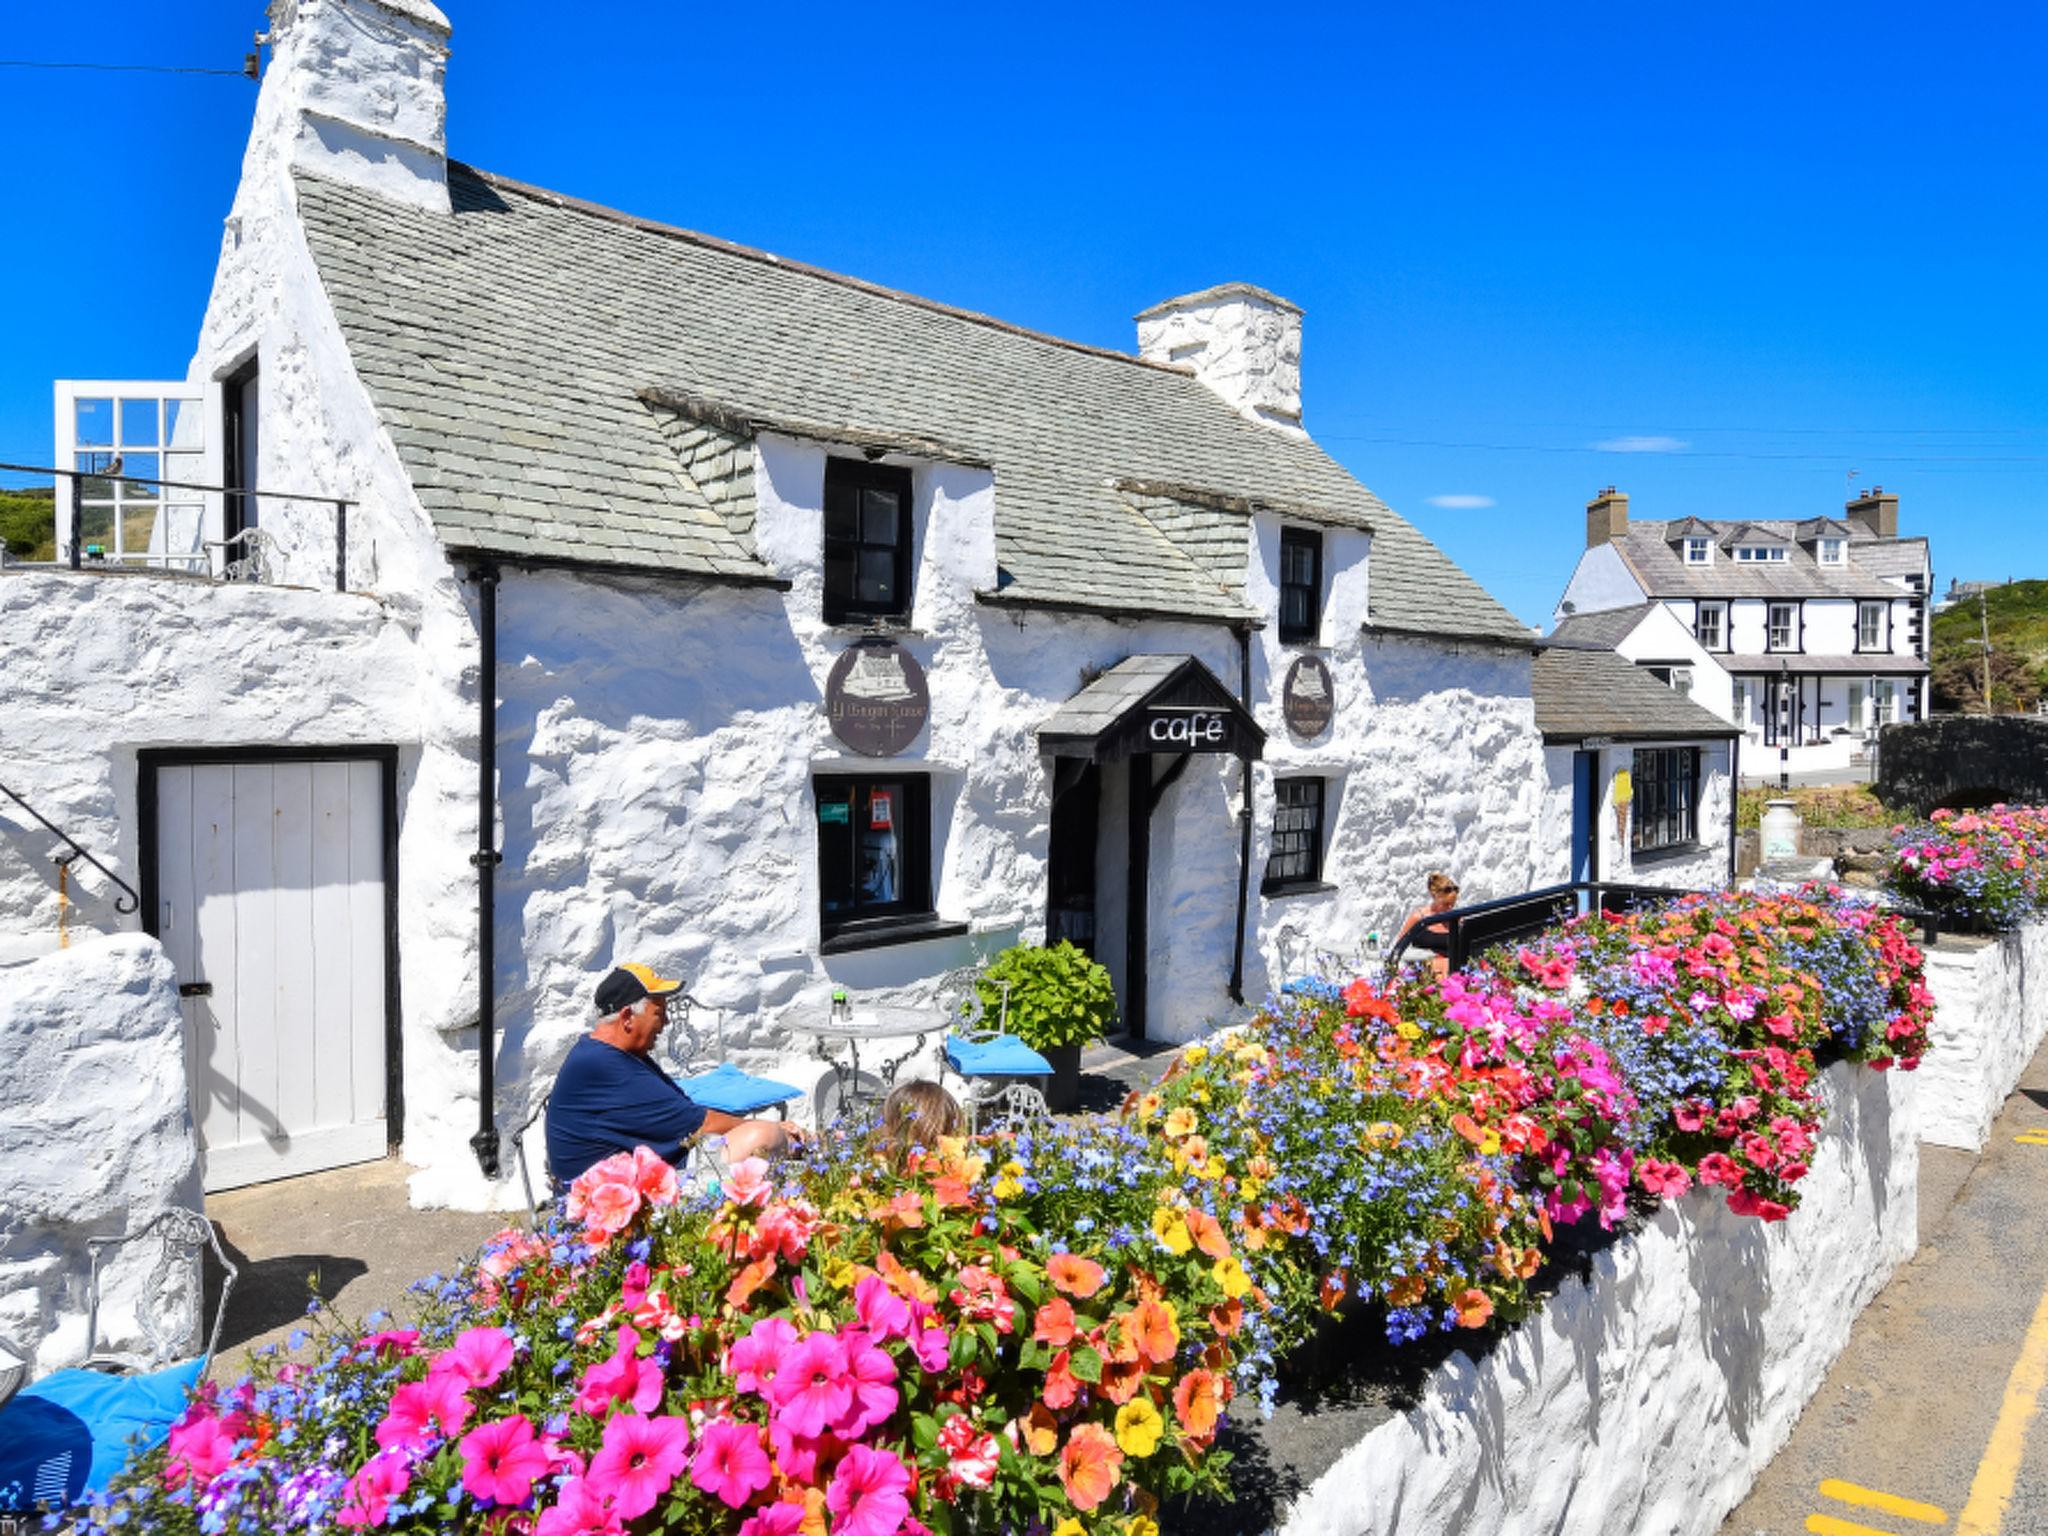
(1828, 1525)
(1906, 1509)
(1997, 1473)
(2033, 1138)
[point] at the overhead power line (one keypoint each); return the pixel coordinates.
(1679, 453)
(246, 72)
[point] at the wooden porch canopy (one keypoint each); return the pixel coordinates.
(1148, 705)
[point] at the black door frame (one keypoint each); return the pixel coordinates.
(151, 759)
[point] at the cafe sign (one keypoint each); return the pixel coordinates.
(876, 699)
(1174, 729)
(1308, 699)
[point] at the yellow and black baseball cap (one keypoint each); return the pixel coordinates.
(628, 984)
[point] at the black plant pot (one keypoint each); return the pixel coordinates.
(1063, 1092)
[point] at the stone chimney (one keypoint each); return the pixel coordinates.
(1241, 341)
(355, 90)
(1878, 512)
(1606, 517)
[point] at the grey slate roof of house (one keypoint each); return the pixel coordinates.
(1863, 664)
(507, 349)
(1605, 629)
(1581, 693)
(1647, 550)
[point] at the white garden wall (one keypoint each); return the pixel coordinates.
(1990, 1015)
(1646, 1400)
(96, 1137)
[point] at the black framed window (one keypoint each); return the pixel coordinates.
(1666, 781)
(874, 851)
(867, 541)
(240, 445)
(1301, 585)
(1297, 854)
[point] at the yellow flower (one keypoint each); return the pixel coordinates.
(1070, 1527)
(1148, 1106)
(1181, 1122)
(1195, 1055)
(1251, 1188)
(1010, 1184)
(1408, 1031)
(1212, 1170)
(1230, 1274)
(1383, 1133)
(1142, 1525)
(1252, 1052)
(1138, 1427)
(1168, 1227)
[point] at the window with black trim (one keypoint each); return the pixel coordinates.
(874, 851)
(867, 541)
(1666, 782)
(1301, 585)
(1296, 858)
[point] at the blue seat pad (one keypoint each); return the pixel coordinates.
(729, 1090)
(119, 1415)
(1004, 1056)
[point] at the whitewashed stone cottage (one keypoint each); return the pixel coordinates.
(831, 636)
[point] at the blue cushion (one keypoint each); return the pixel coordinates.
(727, 1089)
(75, 1410)
(1004, 1056)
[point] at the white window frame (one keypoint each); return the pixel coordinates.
(1771, 611)
(180, 453)
(1869, 634)
(1831, 552)
(1699, 626)
(1754, 554)
(1698, 551)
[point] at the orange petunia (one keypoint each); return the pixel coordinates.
(1078, 1277)
(1121, 1378)
(1054, 1323)
(1062, 1386)
(1468, 1128)
(1475, 1307)
(1039, 1430)
(1153, 1330)
(904, 1210)
(750, 1280)
(1198, 1401)
(907, 1283)
(1090, 1465)
(1333, 1290)
(1207, 1232)
(1406, 1291)
(1228, 1318)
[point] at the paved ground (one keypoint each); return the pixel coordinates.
(1910, 1409)
(348, 1234)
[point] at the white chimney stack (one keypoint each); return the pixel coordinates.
(1241, 341)
(356, 87)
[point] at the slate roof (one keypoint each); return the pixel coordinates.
(507, 349)
(1605, 629)
(1581, 693)
(1864, 665)
(1661, 570)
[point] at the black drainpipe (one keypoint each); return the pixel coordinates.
(1244, 817)
(486, 859)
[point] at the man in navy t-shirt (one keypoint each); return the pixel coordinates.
(610, 1097)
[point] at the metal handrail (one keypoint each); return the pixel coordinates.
(133, 902)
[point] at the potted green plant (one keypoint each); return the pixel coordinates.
(1058, 1001)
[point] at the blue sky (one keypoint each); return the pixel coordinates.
(1762, 246)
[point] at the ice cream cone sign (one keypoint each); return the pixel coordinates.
(1624, 792)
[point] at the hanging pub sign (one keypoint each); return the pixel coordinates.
(1308, 699)
(876, 700)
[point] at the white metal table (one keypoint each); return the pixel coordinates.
(878, 1028)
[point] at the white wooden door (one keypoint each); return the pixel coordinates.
(270, 902)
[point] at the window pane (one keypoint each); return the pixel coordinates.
(138, 522)
(184, 425)
(838, 573)
(98, 523)
(144, 467)
(835, 847)
(877, 516)
(881, 871)
(842, 520)
(94, 423)
(93, 464)
(877, 576)
(139, 423)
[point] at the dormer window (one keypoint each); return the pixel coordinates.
(1699, 551)
(1301, 585)
(867, 541)
(1753, 553)
(1831, 551)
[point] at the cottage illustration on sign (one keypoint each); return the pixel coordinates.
(876, 699)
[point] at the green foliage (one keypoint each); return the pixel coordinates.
(2017, 615)
(1827, 805)
(1058, 996)
(28, 524)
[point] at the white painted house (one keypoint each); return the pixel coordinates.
(707, 608)
(1820, 623)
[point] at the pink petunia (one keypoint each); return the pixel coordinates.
(200, 1447)
(872, 1374)
(419, 1408)
(654, 1179)
(639, 1461)
(881, 1311)
(1719, 1168)
(812, 1390)
(868, 1494)
(608, 1209)
(399, 1342)
(755, 1359)
(971, 1454)
(624, 1378)
(1665, 1180)
(479, 1357)
(501, 1460)
(747, 1182)
(775, 1520)
(932, 1344)
(579, 1511)
(802, 1457)
(730, 1464)
(384, 1477)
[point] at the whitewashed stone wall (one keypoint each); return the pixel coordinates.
(96, 1138)
(1241, 341)
(1990, 1016)
(1649, 1398)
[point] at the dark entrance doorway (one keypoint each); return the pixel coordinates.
(1070, 854)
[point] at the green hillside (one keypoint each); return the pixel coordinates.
(2018, 613)
(28, 523)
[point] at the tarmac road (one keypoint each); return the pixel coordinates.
(1929, 1422)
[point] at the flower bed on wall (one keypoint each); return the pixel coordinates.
(1048, 1330)
(1984, 870)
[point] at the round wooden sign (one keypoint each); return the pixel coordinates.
(876, 699)
(1309, 698)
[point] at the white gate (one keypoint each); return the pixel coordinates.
(270, 901)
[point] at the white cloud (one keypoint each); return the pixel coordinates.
(1642, 445)
(1461, 503)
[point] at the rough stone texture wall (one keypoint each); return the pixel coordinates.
(1972, 760)
(95, 1136)
(1243, 344)
(1649, 1397)
(1990, 1015)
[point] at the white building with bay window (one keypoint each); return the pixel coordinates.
(1821, 625)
